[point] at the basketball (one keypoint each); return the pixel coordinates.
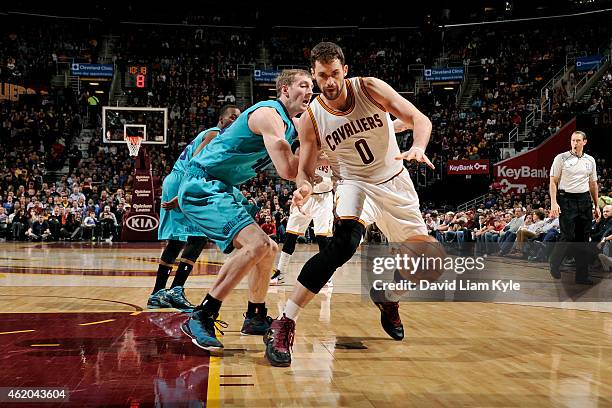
(426, 255)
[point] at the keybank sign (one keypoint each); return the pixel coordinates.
(521, 172)
(531, 169)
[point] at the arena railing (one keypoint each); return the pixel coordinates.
(587, 81)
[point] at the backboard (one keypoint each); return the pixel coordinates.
(118, 122)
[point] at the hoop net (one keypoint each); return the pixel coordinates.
(133, 144)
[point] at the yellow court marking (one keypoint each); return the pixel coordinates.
(213, 397)
(213, 392)
(44, 345)
(18, 331)
(135, 313)
(8, 258)
(99, 276)
(100, 322)
(73, 268)
(2, 276)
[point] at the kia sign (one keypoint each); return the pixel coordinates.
(142, 220)
(532, 169)
(468, 167)
(142, 223)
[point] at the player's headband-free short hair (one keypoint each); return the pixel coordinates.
(581, 133)
(326, 52)
(287, 77)
(225, 108)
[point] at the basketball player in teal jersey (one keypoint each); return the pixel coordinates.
(171, 219)
(261, 135)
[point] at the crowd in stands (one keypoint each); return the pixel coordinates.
(514, 65)
(193, 74)
(273, 195)
(29, 55)
(387, 54)
(513, 232)
(70, 209)
(601, 96)
(519, 225)
(194, 69)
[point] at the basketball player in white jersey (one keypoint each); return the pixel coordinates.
(350, 122)
(320, 210)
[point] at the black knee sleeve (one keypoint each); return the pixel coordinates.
(322, 241)
(289, 245)
(317, 271)
(172, 250)
(194, 248)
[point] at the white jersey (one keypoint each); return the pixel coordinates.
(575, 172)
(323, 180)
(359, 142)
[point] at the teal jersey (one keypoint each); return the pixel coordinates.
(237, 153)
(187, 155)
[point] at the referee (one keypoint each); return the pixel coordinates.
(573, 190)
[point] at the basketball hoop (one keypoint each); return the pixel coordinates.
(133, 144)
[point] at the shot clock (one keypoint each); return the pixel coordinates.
(137, 76)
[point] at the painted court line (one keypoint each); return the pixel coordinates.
(100, 322)
(17, 331)
(213, 397)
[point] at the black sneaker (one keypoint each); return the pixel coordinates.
(279, 340)
(585, 281)
(201, 328)
(158, 300)
(175, 297)
(569, 262)
(257, 325)
(389, 315)
(555, 272)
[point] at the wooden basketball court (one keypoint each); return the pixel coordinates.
(74, 316)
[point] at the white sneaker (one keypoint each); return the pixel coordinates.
(277, 279)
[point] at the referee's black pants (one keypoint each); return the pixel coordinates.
(575, 225)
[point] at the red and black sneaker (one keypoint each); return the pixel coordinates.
(279, 340)
(389, 315)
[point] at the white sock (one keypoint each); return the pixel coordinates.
(283, 261)
(292, 310)
(392, 296)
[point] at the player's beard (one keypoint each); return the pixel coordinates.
(335, 95)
